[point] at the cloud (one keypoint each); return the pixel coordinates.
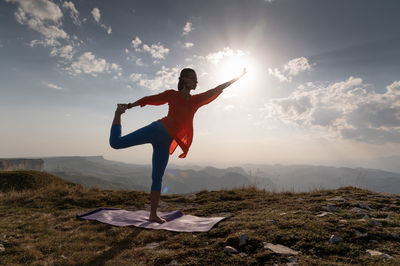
(136, 44)
(291, 69)
(135, 77)
(187, 28)
(139, 62)
(53, 86)
(39, 9)
(66, 52)
(97, 16)
(87, 63)
(188, 45)
(217, 56)
(42, 16)
(349, 109)
(166, 78)
(157, 50)
(73, 12)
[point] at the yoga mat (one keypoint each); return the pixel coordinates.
(176, 220)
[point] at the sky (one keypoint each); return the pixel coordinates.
(322, 86)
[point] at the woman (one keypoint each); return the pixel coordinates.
(169, 132)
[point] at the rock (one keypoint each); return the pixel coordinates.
(378, 253)
(292, 259)
(343, 221)
(63, 257)
(2, 249)
(152, 245)
(206, 243)
(361, 212)
(373, 223)
(323, 214)
(242, 254)
(330, 208)
(335, 239)
(365, 206)
(280, 249)
(230, 250)
(390, 216)
(337, 198)
(374, 241)
(282, 213)
(243, 240)
(173, 262)
(358, 233)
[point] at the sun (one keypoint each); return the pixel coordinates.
(232, 66)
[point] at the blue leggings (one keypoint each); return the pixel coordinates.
(156, 134)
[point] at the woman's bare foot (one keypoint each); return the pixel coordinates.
(157, 219)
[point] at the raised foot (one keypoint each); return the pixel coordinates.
(157, 219)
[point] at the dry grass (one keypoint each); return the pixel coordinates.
(39, 227)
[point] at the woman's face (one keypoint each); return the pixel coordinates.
(190, 81)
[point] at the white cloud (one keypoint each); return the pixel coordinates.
(156, 50)
(275, 72)
(217, 56)
(66, 52)
(347, 109)
(39, 9)
(187, 28)
(96, 14)
(87, 63)
(53, 86)
(42, 16)
(136, 44)
(73, 12)
(291, 69)
(139, 62)
(135, 77)
(297, 65)
(188, 45)
(166, 78)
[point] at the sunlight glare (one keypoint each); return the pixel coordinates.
(233, 66)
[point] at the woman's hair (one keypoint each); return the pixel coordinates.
(184, 73)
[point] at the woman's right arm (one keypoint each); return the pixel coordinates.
(157, 99)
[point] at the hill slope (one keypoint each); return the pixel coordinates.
(39, 226)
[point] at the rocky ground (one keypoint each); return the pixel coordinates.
(325, 227)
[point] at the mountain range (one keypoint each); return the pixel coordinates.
(107, 174)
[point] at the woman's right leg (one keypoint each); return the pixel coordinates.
(140, 136)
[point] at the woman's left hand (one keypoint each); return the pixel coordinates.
(244, 72)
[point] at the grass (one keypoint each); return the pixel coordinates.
(39, 226)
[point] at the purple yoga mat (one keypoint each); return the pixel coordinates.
(176, 220)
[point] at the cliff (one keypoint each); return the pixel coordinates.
(21, 164)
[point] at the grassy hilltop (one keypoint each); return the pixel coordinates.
(38, 226)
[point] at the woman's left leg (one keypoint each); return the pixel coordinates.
(160, 161)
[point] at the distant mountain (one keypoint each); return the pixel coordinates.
(305, 177)
(97, 171)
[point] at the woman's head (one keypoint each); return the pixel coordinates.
(188, 79)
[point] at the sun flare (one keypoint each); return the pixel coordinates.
(231, 67)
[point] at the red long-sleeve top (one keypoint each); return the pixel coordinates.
(179, 121)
